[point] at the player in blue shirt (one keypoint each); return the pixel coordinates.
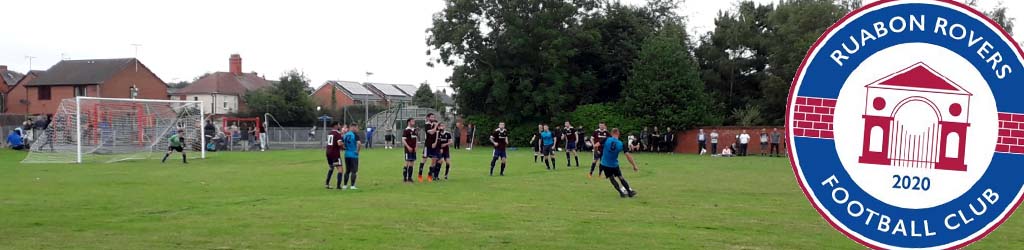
(352, 148)
(548, 142)
(610, 163)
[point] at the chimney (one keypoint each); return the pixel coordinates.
(236, 64)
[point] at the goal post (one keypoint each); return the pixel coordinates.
(94, 129)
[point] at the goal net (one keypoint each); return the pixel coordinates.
(89, 129)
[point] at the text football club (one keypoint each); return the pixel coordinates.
(905, 128)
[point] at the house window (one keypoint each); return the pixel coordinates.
(81, 91)
(44, 93)
(195, 98)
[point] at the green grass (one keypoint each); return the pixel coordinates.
(277, 201)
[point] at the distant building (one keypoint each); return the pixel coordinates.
(16, 99)
(8, 79)
(346, 93)
(223, 92)
(391, 93)
(110, 78)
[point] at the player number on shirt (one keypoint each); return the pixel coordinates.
(911, 182)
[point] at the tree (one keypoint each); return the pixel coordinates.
(752, 55)
(424, 97)
(997, 14)
(665, 88)
(288, 100)
(528, 60)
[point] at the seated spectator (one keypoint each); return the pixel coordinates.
(15, 141)
(727, 152)
(634, 144)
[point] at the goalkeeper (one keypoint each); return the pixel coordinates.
(175, 144)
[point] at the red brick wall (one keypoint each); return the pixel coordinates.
(57, 94)
(16, 94)
(1011, 133)
(686, 141)
(322, 97)
(813, 117)
(150, 86)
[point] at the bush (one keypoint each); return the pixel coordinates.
(590, 115)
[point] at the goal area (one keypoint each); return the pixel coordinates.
(91, 129)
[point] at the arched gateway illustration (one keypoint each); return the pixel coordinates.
(936, 139)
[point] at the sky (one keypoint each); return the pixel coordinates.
(327, 40)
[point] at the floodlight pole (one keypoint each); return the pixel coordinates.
(78, 130)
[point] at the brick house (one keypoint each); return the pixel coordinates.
(110, 78)
(346, 93)
(8, 79)
(223, 92)
(16, 99)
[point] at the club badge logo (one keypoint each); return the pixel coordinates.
(905, 126)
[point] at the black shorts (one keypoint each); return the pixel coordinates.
(536, 148)
(444, 155)
(610, 171)
(597, 155)
(410, 156)
(353, 164)
(389, 138)
(173, 148)
(546, 150)
(334, 161)
(431, 153)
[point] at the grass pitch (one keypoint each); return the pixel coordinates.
(276, 200)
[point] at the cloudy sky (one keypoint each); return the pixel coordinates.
(327, 40)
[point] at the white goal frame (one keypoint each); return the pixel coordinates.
(78, 120)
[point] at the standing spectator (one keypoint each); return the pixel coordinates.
(209, 130)
(369, 136)
(312, 133)
(262, 127)
(776, 138)
(653, 140)
(744, 139)
(389, 139)
(251, 140)
(236, 136)
(701, 141)
(457, 134)
(714, 141)
(764, 142)
(470, 135)
(644, 139)
(669, 140)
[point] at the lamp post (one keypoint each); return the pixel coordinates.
(318, 108)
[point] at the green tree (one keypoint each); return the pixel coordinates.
(528, 60)
(424, 97)
(288, 100)
(665, 88)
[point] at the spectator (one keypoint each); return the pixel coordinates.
(262, 127)
(470, 134)
(645, 136)
(764, 142)
(776, 138)
(209, 130)
(714, 141)
(634, 144)
(236, 136)
(701, 140)
(744, 140)
(251, 141)
(668, 140)
(15, 141)
(457, 133)
(728, 151)
(312, 133)
(389, 139)
(653, 140)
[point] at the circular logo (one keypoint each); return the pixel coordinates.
(904, 128)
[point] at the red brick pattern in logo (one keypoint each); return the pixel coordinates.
(813, 117)
(1011, 133)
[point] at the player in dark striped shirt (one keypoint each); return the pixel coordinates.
(570, 136)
